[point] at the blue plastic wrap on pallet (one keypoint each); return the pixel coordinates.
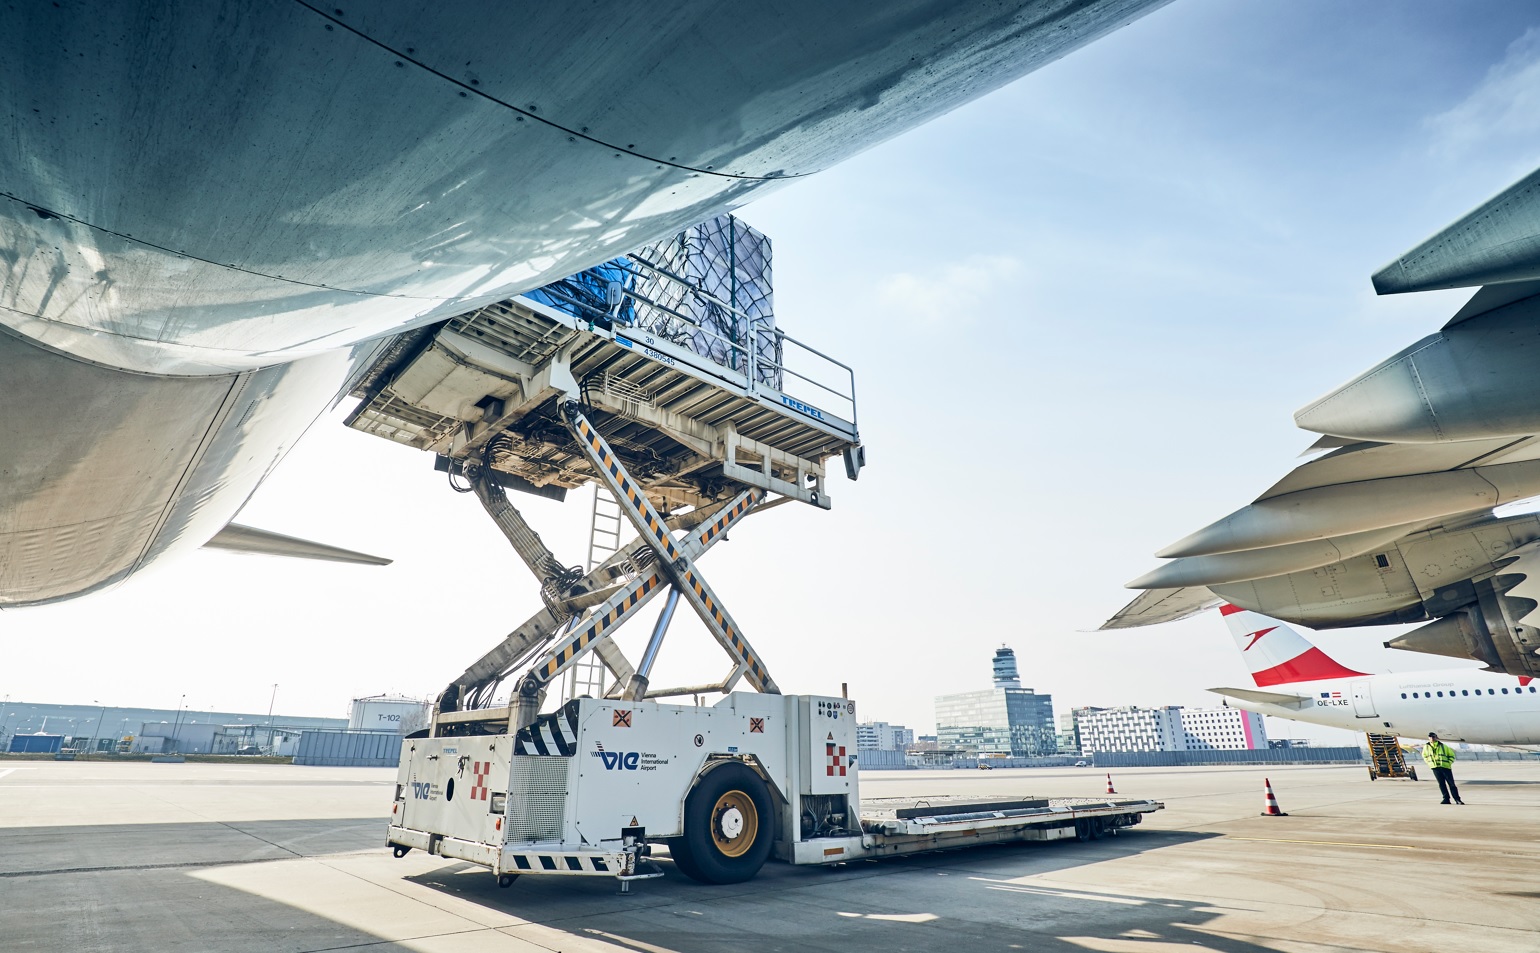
(708, 289)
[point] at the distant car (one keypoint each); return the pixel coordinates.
(1082, 764)
(986, 766)
(248, 749)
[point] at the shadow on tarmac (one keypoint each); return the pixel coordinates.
(136, 888)
(983, 898)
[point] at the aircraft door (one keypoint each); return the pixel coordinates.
(1363, 701)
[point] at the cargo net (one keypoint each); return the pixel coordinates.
(707, 289)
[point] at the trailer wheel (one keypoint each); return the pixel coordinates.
(728, 820)
(1412, 773)
(506, 880)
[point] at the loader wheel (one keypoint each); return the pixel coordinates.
(728, 823)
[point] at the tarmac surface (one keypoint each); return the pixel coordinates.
(236, 858)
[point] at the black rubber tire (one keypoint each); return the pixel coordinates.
(697, 854)
(506, 880)
(679, 854)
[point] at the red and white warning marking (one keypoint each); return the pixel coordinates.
(480, 770)
(837, 761)
(1270, 802)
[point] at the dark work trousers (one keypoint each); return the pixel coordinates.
(1445, 778)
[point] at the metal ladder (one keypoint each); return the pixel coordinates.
(589, 676)
(1386, 759)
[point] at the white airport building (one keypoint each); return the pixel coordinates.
(1170, 728)
(881, 736)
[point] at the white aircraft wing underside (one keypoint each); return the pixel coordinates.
(1162, 605)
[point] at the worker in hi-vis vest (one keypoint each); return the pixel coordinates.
(1440, 757)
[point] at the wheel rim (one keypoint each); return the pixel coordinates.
(734, 824)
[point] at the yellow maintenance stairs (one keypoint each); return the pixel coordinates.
(1387, 760)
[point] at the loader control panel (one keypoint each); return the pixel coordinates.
(828, 745)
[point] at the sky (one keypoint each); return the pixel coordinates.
(1082, 311)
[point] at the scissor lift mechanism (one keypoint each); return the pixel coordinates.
(624, 588)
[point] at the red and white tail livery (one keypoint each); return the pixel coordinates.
(1275, 653)
(1296, 680)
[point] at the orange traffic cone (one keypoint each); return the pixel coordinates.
(1270, 808)
(1109, 784)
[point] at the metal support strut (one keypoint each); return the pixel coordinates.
(674, 562)
(615, 590)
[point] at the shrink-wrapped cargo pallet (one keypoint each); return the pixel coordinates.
(707, 288)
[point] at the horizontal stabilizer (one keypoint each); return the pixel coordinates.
(247, 539)
(1263, 698)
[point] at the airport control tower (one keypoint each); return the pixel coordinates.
(1005, 668)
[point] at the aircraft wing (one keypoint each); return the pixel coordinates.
(1393, 519)
(1162, 605)
(1263, 698)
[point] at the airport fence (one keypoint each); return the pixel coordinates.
(349, 749)
(1176, 759)
(871, 759)
(1491, 755)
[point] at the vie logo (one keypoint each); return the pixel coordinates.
(422, 790)
(619, 760)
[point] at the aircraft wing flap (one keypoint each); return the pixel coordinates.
(1162, 605)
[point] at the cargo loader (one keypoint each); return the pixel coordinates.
(661, 381)
(588, 789)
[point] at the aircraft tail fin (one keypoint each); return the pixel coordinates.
(1275, 653)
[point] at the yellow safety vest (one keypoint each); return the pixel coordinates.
(1437, 754)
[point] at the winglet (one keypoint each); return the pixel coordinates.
(248, 539)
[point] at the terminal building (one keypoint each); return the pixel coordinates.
(107, 729)
(1170, 728)
(1004, 721)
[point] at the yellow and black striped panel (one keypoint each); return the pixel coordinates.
(634, 496)
(727, 518)
(598, 625)
(756, 671)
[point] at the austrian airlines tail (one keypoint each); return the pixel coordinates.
(1275, 653)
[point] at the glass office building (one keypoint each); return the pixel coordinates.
(1013, 722)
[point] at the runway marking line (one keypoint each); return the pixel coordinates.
(1321, 843)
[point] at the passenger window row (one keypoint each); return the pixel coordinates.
(1466, 691)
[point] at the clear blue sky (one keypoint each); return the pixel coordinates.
(1082, 312)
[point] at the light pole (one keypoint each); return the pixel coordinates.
(176, 728)
(98, 729)
(270, 701)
